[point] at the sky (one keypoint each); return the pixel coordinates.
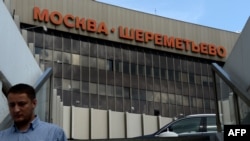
(230, 15)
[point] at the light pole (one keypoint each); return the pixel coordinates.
(43, 26)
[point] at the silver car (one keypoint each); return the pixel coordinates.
(197, 124)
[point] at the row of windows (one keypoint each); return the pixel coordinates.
(106, 75)
(119, 66)
(133, 93)
(63, 47)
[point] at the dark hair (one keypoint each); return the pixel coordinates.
(23, 88)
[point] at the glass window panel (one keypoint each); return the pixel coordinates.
(118, 91)
(93, 49)
(67, 98)
(177, 64)
(171, 75)
(76, 72)
(170, 63)
(102, 89)
(190, 65)
(191, 78)
(85, 61)
(126, 67)
(110, 65)
(134, 69)
(66, 84)
(204, 69)
(30, 37)
(207, 103)
(178, 99)
(126, 91)
(197, 79)
(75, 59)
(110, 52)
(197, 68)
(185, 101)
(101, 51)
(157, 97)
(184, 66)
(57, 56)
(135, 94)
(163, 74)
(75, 46)
(126, 56)
(85, 87)
(92, 62)
(75, 86)
(177, 76)
(118, 54)
(156, 61)
(199, 103)
(171, 98)
(101, 64)
(133, 56)
(141, 58)
(204, 80)
(156, 72)
(148, 71)
(84, 48)
(110, 90)
(184, 77)
(150, 96)
(141, 70)
(164, 97)
(102, 102)
(92, 88)
(66, 44)
(163, 62)
(118, 66)
(193, 102)
(67, 71)
(94, 101)
(38, 39)
(142, 94)
(57, 43)
(66, 58)
(148, 59)
(48, 41)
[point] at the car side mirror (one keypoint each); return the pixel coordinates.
(168, 134)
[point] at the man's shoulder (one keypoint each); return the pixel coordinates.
(5, 131)
(50, 126)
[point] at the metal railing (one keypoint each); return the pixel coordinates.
(238, 93)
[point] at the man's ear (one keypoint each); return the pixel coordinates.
(34, 102)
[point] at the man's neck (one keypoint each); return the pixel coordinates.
(24, 126)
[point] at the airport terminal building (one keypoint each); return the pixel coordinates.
(111, 58)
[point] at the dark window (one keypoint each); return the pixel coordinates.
(141, 70)
(171, 75)
(148, 71)
(134, 69)
(110, 65)
(156, 72)
(126, 67)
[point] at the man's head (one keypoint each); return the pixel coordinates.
(22, 102)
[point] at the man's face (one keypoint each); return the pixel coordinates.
(21, 107)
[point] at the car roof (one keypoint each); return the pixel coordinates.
(200, 115)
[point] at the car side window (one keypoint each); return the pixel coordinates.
(186, 125)
(211, 124)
